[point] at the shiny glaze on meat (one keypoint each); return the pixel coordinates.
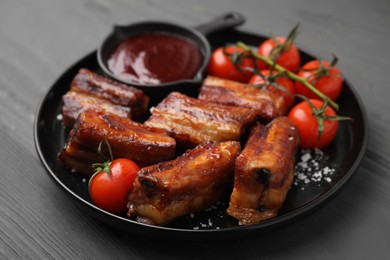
(75, 103)
(192, 182)
(264, 172)
(191, 121)
(117, 93)
(79, 157)
(144, 145)
(268, 105)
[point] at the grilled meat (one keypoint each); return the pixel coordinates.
(79, 157)
(117, 93)
(268, 105)
(264, 172)
(192, 182)
(191, 121)
(142, 144)
(75, 103)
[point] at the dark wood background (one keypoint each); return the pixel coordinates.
(40, 39)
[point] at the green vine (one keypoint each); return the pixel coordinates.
(251, 53)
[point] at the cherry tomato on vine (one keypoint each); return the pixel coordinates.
(284, 82)
(288, 58)
(110, 186)
(308, 125)
(221, 65)
(323, 76)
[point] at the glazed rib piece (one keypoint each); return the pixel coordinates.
(268, 105)
(112, 91)
(88, 82)
(264, 172)
(144, 145)
(79, 157)
(192, 182)
(75, 103)
(191, 121)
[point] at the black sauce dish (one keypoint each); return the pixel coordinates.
(196, 35)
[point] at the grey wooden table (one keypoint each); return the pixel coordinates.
(41, 39)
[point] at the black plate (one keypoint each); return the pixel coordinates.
(343, 156)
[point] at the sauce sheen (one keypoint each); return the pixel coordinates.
(154, 58)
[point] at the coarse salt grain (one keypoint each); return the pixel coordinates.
(312, 167)
(302, 164)
(301, 176)
(305, 157)
(327, 170)
(208, 223)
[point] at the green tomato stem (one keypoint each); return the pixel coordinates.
(290, 74)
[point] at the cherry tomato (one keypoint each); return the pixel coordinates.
(307, 124)
(289, 58)
(285, 82)
(221, 65)
(109, 191)
(330, 84)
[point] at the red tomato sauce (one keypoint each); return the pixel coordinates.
(154, 58)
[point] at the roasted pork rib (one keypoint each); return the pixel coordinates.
(142, 144)
(191, 121)
(192, 182)
(268, 105)
(264, 172)
(75, 103)
(89, 89)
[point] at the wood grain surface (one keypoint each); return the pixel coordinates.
(40, 39)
